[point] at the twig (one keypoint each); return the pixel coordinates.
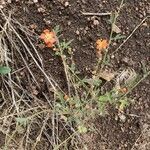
(120, 46)
(96, 14)
(137, 140)
(38, 139)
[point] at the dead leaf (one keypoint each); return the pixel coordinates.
(63, 118)
(116, 29)
(106, 75)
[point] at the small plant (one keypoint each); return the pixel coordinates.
(38, 109)
(4, 70)
(22, 121)
(83, 100)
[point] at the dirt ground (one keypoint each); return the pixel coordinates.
(111, 133)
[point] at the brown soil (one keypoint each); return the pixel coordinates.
(112, 134)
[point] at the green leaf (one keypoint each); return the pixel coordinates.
(65, 45)
(57, 29)
(95, 82)
(105, 98)
(112, 18)
(82, 129)
(4, 70)
(22, 121)
(123, 103)
(72, 67)
(118, 37)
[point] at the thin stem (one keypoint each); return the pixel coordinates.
(131, 34)
(111, 34)
(96, 14)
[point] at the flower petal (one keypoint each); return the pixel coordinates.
(48, 37)
(42, 36)
(101, 44)
(49, 45)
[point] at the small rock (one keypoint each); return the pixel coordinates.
(3, 2)
(86, 28)
(114, 43)
(112, 56)
(35, 1)
(122, 117)
(116, 118)
(141, 15)
(125, 59)
(66, 4)
(144, 13)
(9, 1)
(88, 19)
(136, 8)
(85, 32)
(95, 22)
(79, 39)
(83, 1)
(22, 73)
(69, 23)
(35, 92)
(77, 32)
(41, 80)
(41, 9)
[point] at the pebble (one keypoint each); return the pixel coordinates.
(85, 32)
(41, 9)
(114, 44)
(112, 56)
(141, 15)
(35, 92)
(66, 4)
(69, 23)
(41, 80)
(9, 1)
(77, 32)
(35, 1)
(1, 7)
(122, 117)
(95, 22)
(83, 1)
(125, 59)
(22, 73)
(136, 8)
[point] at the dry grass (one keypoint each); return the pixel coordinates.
(24, 118)
(30, 122)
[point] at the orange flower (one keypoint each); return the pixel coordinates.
(101, 44)
(48, 37)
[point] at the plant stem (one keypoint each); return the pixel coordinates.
(110, 38)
